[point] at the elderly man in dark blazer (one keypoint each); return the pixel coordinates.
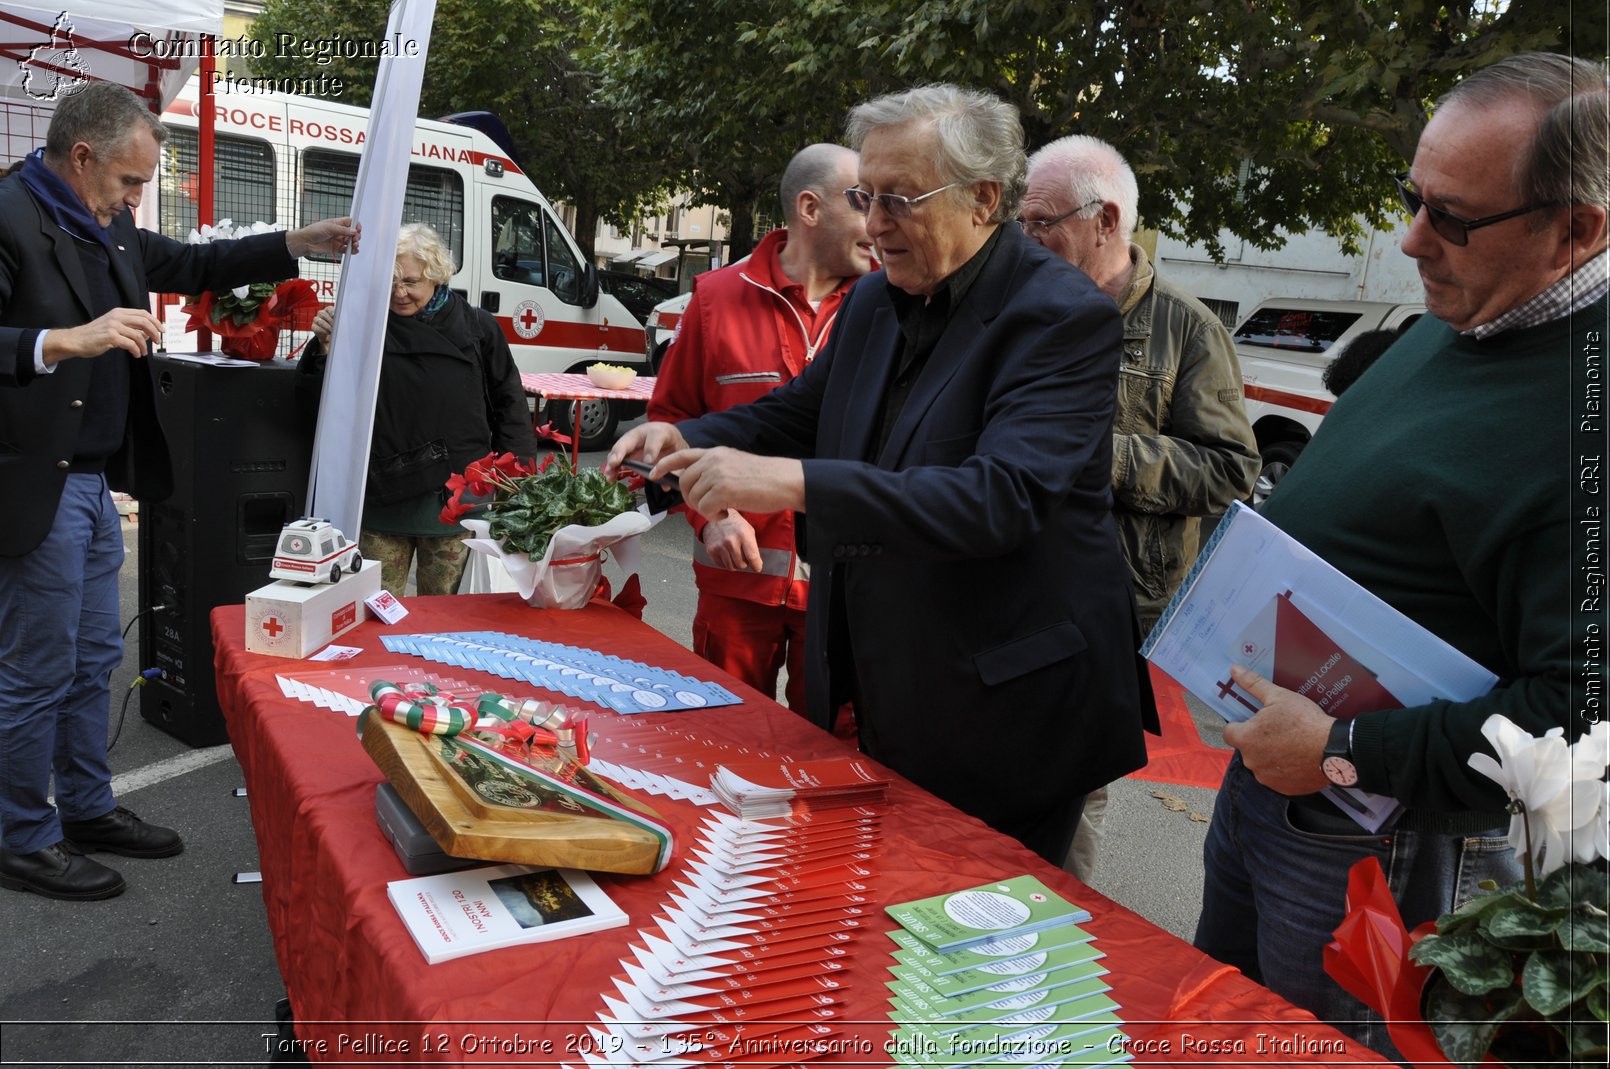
(77, 417)
(951, 451)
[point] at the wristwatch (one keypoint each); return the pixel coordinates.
(1337, 763)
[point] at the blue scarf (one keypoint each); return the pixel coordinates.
(64, 205)
(437, 300)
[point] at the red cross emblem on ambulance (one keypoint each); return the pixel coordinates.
(528, 319)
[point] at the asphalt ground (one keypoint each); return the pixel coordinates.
(180, 969)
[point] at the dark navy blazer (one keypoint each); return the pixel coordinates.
(42, 284)
(985, 597)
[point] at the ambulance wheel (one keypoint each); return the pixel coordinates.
(598, 423)
(335, 574)
(1277, 457)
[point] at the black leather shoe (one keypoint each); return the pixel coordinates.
(55, 873)
(121, 832)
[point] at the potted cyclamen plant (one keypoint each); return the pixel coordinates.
(248, 319)
(1523, 972)
(550, 525)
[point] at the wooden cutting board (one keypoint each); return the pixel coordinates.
(480, 808)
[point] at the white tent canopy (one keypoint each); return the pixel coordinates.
(150, 47)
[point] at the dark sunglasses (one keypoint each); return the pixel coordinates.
(1449, 227)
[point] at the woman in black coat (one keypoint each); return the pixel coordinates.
(449, 394)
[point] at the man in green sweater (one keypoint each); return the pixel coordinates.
(1447, 482)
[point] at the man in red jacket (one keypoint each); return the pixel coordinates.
(750, 328)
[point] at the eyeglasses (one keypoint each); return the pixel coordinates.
(1449, 227)
(894, 205)
(1034, 228)
(406, 283)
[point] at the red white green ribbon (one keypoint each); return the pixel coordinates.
(421, 707)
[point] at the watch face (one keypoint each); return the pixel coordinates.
(1340, 771)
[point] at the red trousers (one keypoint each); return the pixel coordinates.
(753, 641)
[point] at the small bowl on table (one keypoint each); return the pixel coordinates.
(609, 377)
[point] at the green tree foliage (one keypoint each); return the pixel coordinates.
(1242, 115)
(723, 75)
(531, 62)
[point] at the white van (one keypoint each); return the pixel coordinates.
(292, 160)
(1284, 347)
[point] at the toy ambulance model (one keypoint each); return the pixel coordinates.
(312, 551)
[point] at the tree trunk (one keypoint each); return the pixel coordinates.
(586, 228)
(741, 234)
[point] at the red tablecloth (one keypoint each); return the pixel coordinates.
(359, 985)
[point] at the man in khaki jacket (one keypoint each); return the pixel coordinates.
(1182, 446)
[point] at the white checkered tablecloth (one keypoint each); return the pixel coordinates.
(565, 387)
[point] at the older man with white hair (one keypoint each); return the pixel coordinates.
(1182, 446)
(951, 451)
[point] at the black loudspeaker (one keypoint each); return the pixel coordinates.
(240, 469)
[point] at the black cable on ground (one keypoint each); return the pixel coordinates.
(139, 680)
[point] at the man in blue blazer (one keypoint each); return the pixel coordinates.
(77, 417)
(951, 451)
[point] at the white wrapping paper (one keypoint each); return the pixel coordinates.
(563, 585)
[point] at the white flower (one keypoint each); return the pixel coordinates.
(1590, 800)
(1559, 787)
(241, 291)
(1590, 839)
(226, 230)
(1595, 745)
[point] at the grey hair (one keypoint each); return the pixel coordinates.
(104, 116)
(1093, 170)
(814, 168)
(979, 137)
(1568, 161)
(426, 246)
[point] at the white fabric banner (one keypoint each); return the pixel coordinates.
(358, 336)
(51, 48)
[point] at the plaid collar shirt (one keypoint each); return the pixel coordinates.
(1570, 294)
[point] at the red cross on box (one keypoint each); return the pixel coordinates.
(273, 626)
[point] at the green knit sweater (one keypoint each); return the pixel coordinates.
(1446, 482)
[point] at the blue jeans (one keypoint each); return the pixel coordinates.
(59, 642)
(1275, 889)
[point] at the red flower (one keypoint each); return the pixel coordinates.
(488, 480)
(547, 431)
(512, 467)
(455, 508)
(293, 305)
(252, 324)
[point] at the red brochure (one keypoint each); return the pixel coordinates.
(637, 984)
(785, 878)
(816, 1008)
(723, 899)
(666, 964)
(832, 853)
(795, 939)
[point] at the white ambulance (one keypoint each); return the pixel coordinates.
(1284, 347)
(292, 160)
